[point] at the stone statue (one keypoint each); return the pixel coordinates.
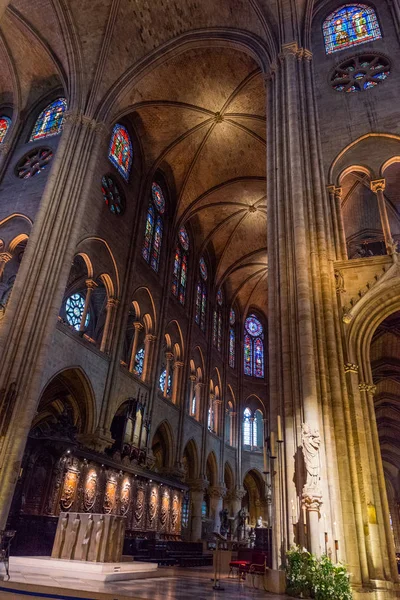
(252, 538)
(76, 523)
(224, 521)
(259, 522)
(311, 443)
(63, 533)
(87, 538)
(243, 521)
(98, 537)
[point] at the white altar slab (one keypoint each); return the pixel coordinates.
(84, 570)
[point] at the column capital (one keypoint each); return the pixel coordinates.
(217, 491)
(312, 501)
(5, 257)
(112, 303)
(290, 49)
(150, 338)
(350, 368)
(370, 388)
(169, 356)
(192, 378)
(91, 284)
(138, 325)
(178, 364)
(378, 185)
(237, 494)
(197, 485)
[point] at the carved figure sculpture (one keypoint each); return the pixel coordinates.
(259, 522)
(311, 443)
(99, 535)
(87, 538)
(63, 532)
(76, 523)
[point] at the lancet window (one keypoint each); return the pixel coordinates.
(50, 121)
(179, 276)
(120, 151)
(349, 26)
(154, 227)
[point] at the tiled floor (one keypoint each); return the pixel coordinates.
(179, 585)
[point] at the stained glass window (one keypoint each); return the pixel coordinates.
(232, 317)
(185, 511)
(179, 276)
(153, 232)
(232, 347)
(247, 427)
(162, 382)
(253, 347)
(74, 307)
(258, 428)
(120, 152)
(33, 163)
(50, 121)
(350, 25)
(215, 328)
(5, 123)
(193, 407)
(112, 195)
(360, 73)
(211, 423)
(148, 234)
(139, 360)
(219, 335)
(203, 269)
(198, 303)
(220, 297)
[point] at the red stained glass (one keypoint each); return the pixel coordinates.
(5, 123)
(120, 151)
(232, 347)
(50, 121)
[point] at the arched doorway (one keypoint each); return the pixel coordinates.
(254, 499)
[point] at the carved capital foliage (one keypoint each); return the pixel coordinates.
(217, 491)
(197, 485)
(5, 257)
(312, 500)
(91, 284)
(369, 388)
(350, 368)
(378, 185)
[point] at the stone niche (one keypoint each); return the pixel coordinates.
(89, 537)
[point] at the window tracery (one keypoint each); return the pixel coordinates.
(253, 347)
(5, 123)
(120, 151)
(201, 296)
(112, 195)
(217, 322)
(50, 121)
(33, 162)
(350, 25)
(139, 362)
(154, 227)
(232, 338)
(252, 428)
(360, 73)
(74, 307)
(162, 382)
(179, 276)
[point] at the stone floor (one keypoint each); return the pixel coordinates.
(176, 585)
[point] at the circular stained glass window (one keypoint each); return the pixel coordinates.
(74, 307)
(220, 297)
(232, 317)
(162, 382)
(112, 195)
(184, 238)
(360, 73)
(158, 197)
(203, 268)
(33, 163)
(253, 326)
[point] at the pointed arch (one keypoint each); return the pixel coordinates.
(163, 446)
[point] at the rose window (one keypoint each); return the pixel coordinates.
(33, 163)
(360, 73)
(112, 195)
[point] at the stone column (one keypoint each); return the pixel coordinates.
(192, 392)
(197, 488)
(5, 257)
(90, 286)
(169, 358)
(177, 369)
(149, 342)
(335, 197)
(216, 494)
(378, 187)
(138, 328)
(112, 304)
(31, 317)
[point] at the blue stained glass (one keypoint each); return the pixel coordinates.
(215, 328)
(158, 197)
(203, 268)
(247, 427)
(232, 317)
(139, 360)
(184, 238)
(120, 151)
(74, 307)
(258, 361)
(350, 25)
(155, 257)
(182, 287)
(253, 325)
(220, 297)
(112, 195)
(198, 303)
(219, 337)
(232, 347)
(50, 121)
(203, 308)
(148, 234)
(162, 382)
(248, 354)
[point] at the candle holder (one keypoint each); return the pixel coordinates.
(336, 550)
(326, 542)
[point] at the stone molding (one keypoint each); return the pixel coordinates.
(350, 368)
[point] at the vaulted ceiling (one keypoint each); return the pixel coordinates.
(200, 112)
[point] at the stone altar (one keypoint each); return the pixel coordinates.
(89, 537)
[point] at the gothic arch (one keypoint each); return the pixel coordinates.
(212, 469)
(162, 445)
(191, 455)
(71, 385)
